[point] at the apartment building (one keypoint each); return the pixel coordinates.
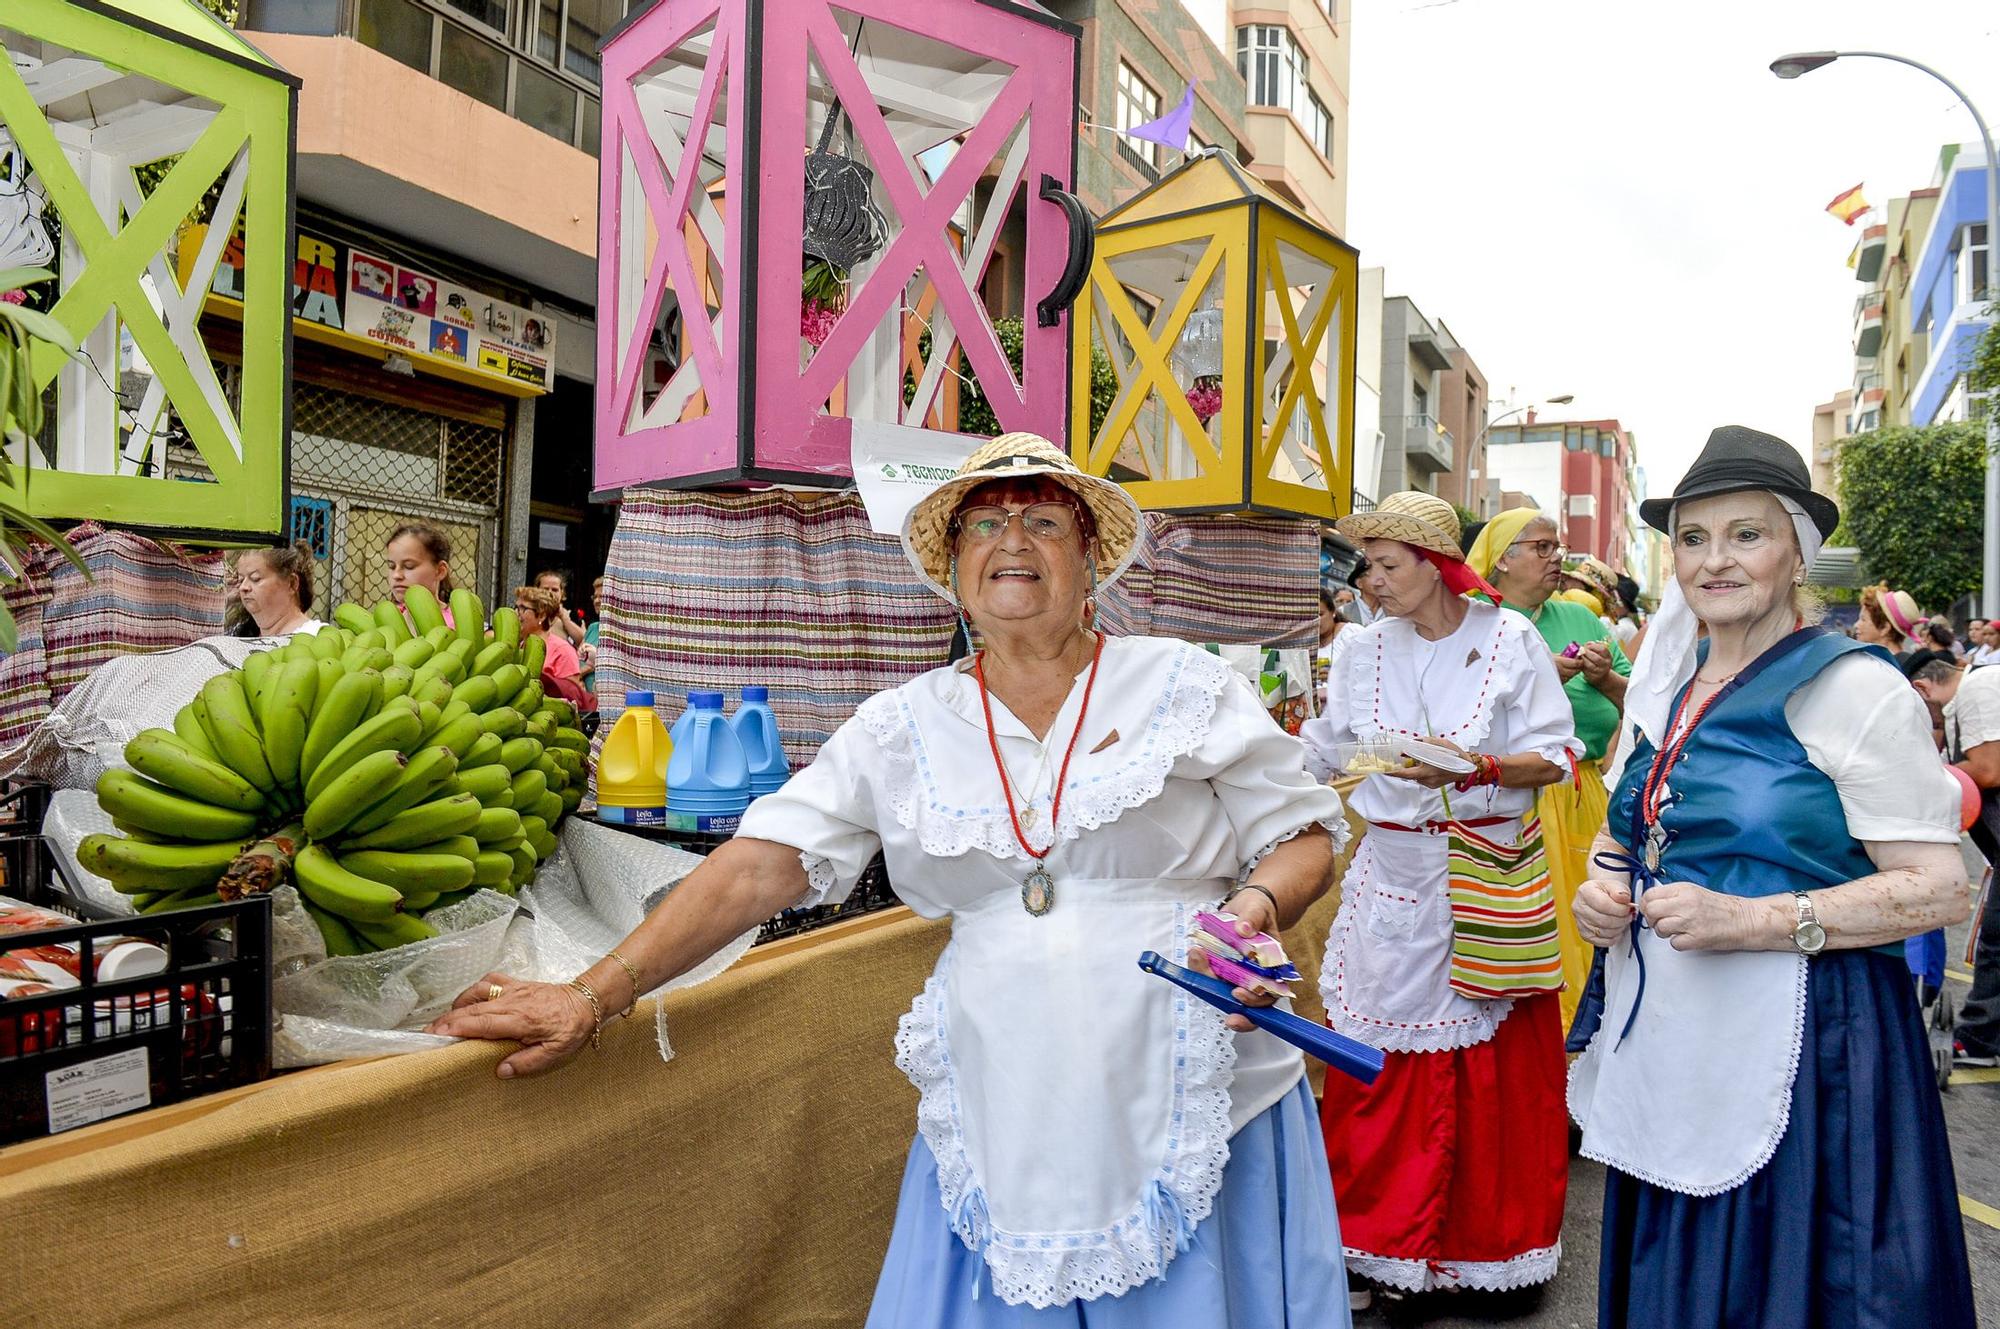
(1583, 473)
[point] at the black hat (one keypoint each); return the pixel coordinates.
(1735, 459)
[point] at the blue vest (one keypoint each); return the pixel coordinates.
(1749, 814)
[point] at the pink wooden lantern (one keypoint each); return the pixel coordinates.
(802, 208)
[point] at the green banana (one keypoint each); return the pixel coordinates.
(460, 735)
(330, 673)
(389, 621)
(188, 729)
(163, 757)
(414, 653)
(369, 640)
(431, 686)
(411, 872)
(529, 700)
(132, 866)
(450, 666)
(468, 616)
(496, 824)
(182, 900)
(397, 681)
(541, 728)
(232, 730)
(334, 931)
(393, 728)
(354, 618)
(340, 712)
(439, 819)
(423, 608)
(534, 828)
(565, 713)
(326, 644)
(525, 862)
(256, 671)
(453, 710)
(507, 845)
(398, 931)
(508, 680)
(440, 636)
(349, 794)
(492, 868)
(464, 846)
(428, 770)
(572, 797)
(477, 692)
(517, 754)
(460, 650)
(288, 702)
(491, 785)
(493, 655)
(485, 751)
(535, 654)
(573, 739)
(429, 716)
(528, 786)
(549, 807)
(333, 888)
(507, 627)
(504, 721)
(132, 798)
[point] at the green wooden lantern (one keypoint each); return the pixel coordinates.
(121, 121)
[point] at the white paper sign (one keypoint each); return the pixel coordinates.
(895, 465)
(93, 1090)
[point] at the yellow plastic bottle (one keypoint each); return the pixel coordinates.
(632, 767)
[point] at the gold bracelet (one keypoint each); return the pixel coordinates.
(631, 973)
(596, 1010)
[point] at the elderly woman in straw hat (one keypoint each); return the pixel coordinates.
(1094, 1148)
(1521, 552)
(1451, 1167)
(1759, 1082)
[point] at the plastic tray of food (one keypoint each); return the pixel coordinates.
(1368, 758)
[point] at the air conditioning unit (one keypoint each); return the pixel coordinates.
(1583, 505)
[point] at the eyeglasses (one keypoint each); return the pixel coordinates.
(1541, 548)
(1043, 521)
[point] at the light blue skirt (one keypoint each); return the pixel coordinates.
(1267, 1257)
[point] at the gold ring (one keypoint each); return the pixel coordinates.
(494, 992)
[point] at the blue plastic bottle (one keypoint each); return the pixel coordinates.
(757, 729)
(708, 780)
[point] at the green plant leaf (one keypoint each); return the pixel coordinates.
(13, 279)
(37, 324)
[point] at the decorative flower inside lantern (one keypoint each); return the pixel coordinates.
(24, 237)
(1198, 352)
(843, 228)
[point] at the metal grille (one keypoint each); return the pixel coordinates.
(312, 523)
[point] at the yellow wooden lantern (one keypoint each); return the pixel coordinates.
(1229, 320)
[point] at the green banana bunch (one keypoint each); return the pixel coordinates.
(164, 758)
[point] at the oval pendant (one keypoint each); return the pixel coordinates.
(1038, 892)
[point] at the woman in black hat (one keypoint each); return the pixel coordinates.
(1759, 1080)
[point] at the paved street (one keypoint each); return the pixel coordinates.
(1972, 1110)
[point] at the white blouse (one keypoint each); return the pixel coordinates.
(1078, 1108)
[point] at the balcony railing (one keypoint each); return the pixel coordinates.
(1427, 443)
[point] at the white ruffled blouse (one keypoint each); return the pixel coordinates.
(1079, 1109)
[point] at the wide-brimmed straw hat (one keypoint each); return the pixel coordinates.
(1414, 517)
(927, 528)
(1737, 458)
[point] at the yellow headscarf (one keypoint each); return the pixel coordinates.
(1499, 533)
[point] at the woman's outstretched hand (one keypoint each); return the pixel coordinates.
(551, 1021)
(1253, 915)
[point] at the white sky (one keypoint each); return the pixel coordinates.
(1621, 201)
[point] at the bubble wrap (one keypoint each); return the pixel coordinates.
(87, 733)
(595, 890)
(73, 814)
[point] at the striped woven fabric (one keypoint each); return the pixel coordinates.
(1237, 578)
(141, 595)
(1503, 916)
(789, 590)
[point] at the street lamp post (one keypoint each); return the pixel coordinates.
(1792, 66)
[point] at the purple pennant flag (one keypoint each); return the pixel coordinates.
(1171, 129)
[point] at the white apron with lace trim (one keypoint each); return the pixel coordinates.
(1079, 1109)
(1697, 1096)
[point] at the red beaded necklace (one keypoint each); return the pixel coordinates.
(1038, 891)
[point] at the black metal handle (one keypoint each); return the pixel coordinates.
(1082, 251)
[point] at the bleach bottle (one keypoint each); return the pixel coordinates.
(757, 730)
(632, 768)
(708, 779)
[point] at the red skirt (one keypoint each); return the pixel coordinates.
(1450, 1170)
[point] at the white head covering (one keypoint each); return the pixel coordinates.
(1667, 660)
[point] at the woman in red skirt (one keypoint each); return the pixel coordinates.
(1450, 1169)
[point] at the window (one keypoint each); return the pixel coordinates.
(546, 102)
(474, 66)
(493, 13)
(1319, 125)
(589, 20)
(397, 29)
(1137, 103)
(1421, 398)
(1973, 264)
(1272, 65)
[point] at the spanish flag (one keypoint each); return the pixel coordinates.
(1849, 205)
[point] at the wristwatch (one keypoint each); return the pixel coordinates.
(1808, 936)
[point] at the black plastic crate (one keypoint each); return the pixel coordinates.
(110, 1047)
(872, 891)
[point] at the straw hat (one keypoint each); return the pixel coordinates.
(927, 528)
(1415, 518)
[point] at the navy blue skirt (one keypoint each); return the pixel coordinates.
(1853, 1224)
